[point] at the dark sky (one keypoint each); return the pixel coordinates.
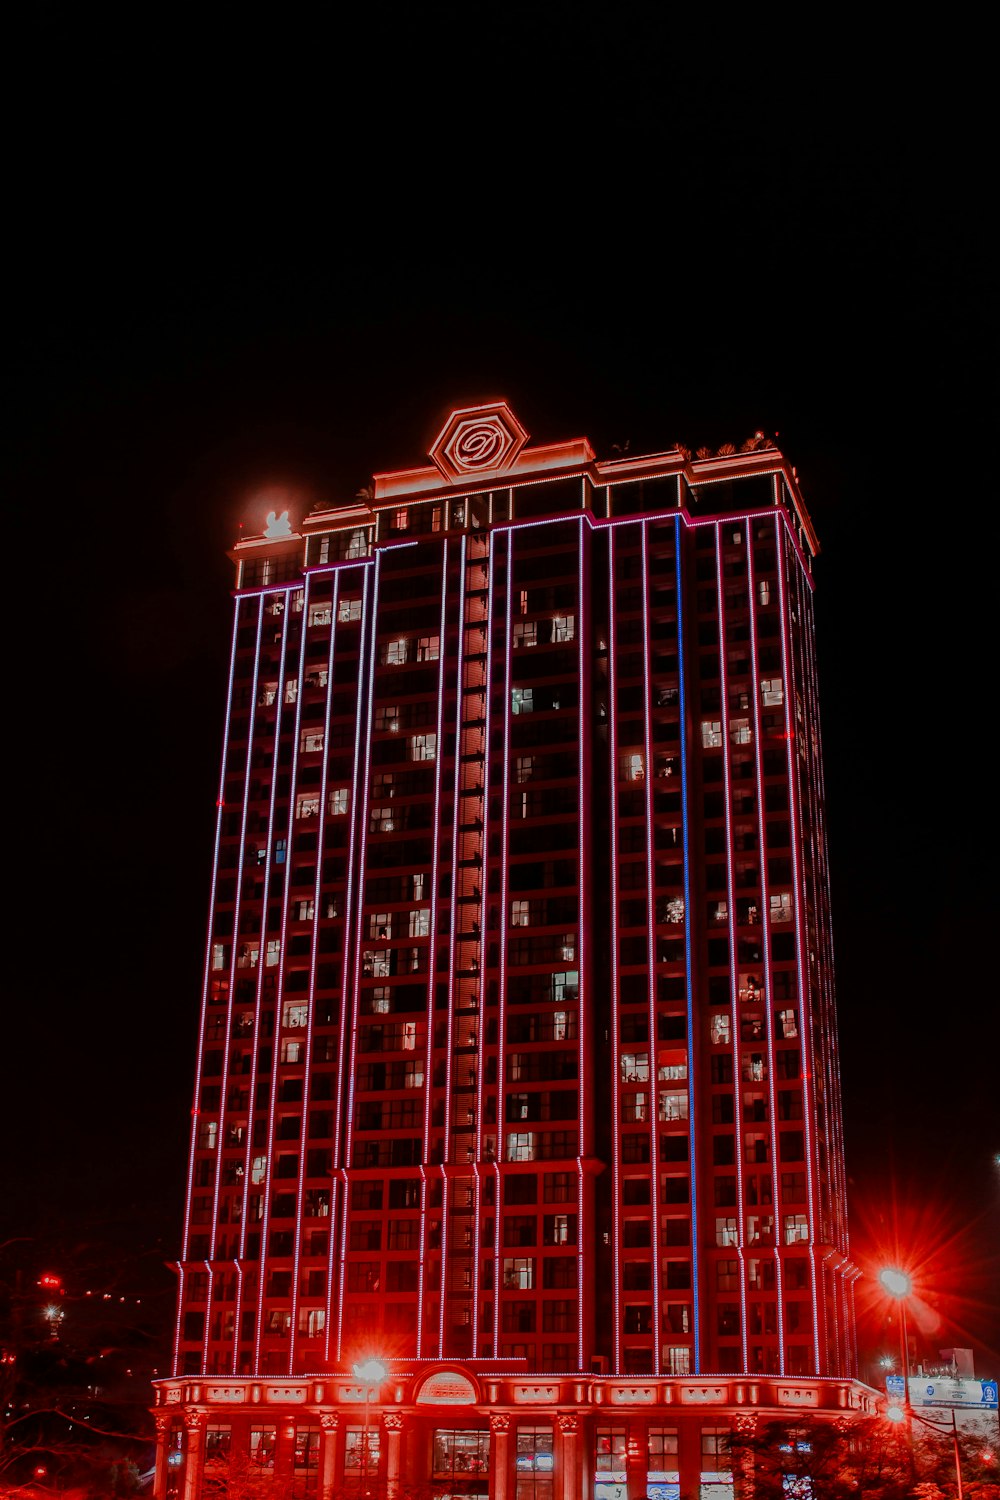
(257, 259)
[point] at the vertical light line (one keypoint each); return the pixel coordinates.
(500, 1153)
(483, 928)
(789, 678)
(654, 1071)
(205, 983)
(435, 876)
(324, 814)
(616, 1170)
(584, 1130)
(731, 932)
(765, 920)
(261, 966)
(350, 1002)
(688, 956)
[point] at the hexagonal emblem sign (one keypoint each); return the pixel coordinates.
(478, 439)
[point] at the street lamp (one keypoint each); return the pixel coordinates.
(372, 1372)
(899, 1286)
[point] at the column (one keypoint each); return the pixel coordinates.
(194, 1457)
(394, 1444)
(330, 1423)
(499, 1456)
(284, 1458)
(162, 1420)
(636, 1460)
(569, 1432)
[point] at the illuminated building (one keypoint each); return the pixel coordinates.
(518, 1053)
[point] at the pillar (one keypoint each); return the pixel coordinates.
(569, 1430)
(499, 1454)
(330, 1423)
(394, 1445)
(194, 1456)
(162, 1420)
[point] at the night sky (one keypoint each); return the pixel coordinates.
(256, 264)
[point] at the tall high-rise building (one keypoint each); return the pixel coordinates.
(518, 1065)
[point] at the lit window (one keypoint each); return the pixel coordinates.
(338, 801)
(520, 913)
(348, 609)
(400, 520)
(630, 766)
(739, 731)
(291, 690)
(312, 1321)
(720, 1031)
(272, 952)
(565, 986)
(772, 692)
(523, 766)
(781, 907)
(295, 1013)
(218, 955)
(673, 1104)
(266, 694)
(520, 1146)
(307, 805)
(258, 1169)
(519, 1271)
(764, 591)
(672, 1067)
(635, 1108)
(387, 717)
(522, 700)
(311, 739)
(305, 910)
(380, 924)
(671, 910)
(381, 1000)
(208, 1135)
(635, 1067)
(726, 1232)
(248, 956)
(381, 820)
(293, 1052)
(567, 952)
(563, 627)
(788, 1024)
(394, 653)
(711, 734)
(318, 675)
(676, 1359)
(796, 1229)
(320, 614)
(423, 746)
(525, 633)
(376, 962)
(420, 922)
(428, 648)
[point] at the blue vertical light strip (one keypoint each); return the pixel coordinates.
(688, 957)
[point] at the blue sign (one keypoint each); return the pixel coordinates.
(895, 1386)
(990, 1392)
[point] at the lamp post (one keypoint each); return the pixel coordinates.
(372, 1372)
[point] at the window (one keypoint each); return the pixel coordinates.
(420, 922)
(781, 907)
(320, 614)
(362, 1449)
(312, 1321)
(307, 805)
(394, 653)
(519, 1272)
(295, 1013)
(263, 1441)
(721, 1030)
(676, 1359)
(788, 1024)
(338, 801)
(266, 694)
(740, 732)
(428, 647)
(387, 717)
(635, 1067)
(457, 1454)
(522, 700)
(291, 690)
(520, 1146)
(673, 1104)
(523, 766)
(563, 627)
(348, 609)
(218, 955)
(311, 739)
(423, 746)
(772, 692)
(725, 1275)
(520, 913)
(381, 820)
(611, 1451)
(795, 1229)
(726, 1232)
(631, 766)
(525, 633)
(711, 734)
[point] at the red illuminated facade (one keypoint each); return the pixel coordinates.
(518, 1059)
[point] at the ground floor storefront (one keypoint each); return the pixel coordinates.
(473, 1433)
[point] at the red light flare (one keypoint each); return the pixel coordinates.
(950, 1259)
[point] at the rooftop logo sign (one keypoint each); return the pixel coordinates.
(478, 439)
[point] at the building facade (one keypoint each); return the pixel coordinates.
(518, 1063)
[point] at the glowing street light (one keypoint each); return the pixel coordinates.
(897, 1414)
(373, 1372)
